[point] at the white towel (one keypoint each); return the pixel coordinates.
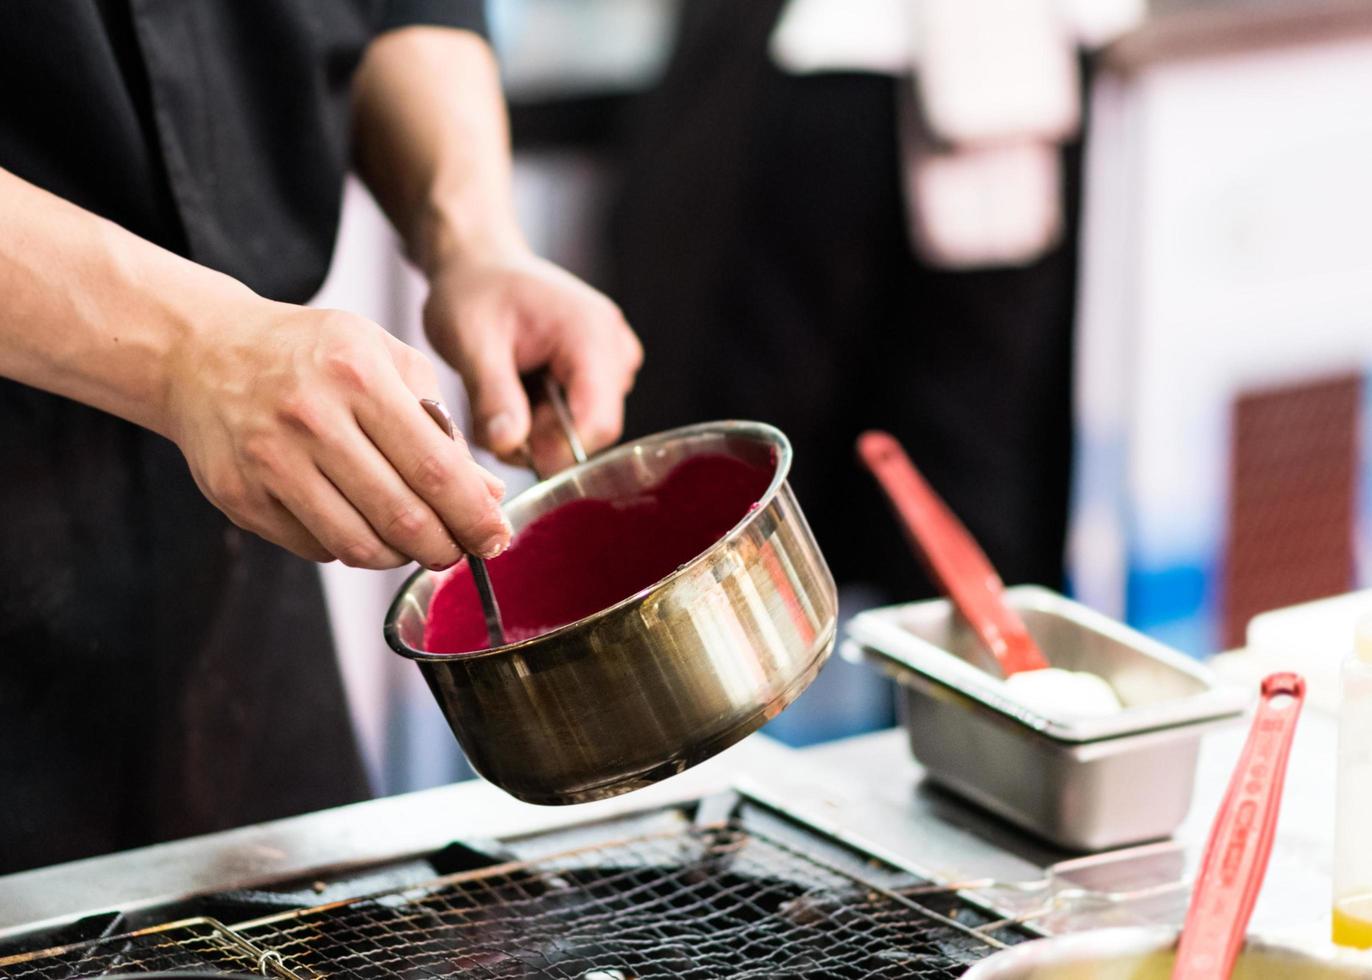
(996, 93)
(844, 35)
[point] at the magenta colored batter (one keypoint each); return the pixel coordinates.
(589, 554)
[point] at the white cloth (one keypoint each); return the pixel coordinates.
(996, 93)
(844, 35)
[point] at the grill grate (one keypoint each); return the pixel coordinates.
(201, 945)
(713, 903)
(690, 904)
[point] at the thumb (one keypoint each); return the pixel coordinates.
(500, 408)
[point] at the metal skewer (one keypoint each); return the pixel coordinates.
(490, 609)
(553, 391)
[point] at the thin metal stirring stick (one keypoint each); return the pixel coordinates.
(495, 629)
(553, 391)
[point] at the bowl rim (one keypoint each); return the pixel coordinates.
(759, 431)
(1144, 939)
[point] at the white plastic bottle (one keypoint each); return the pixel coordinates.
(1353, 815)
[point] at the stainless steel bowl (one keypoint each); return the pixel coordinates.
(661, 680)
(1146, 954)
(1085, 784)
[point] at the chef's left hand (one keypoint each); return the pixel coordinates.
(497, 316)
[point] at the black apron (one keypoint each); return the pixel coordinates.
(161, 672)
(759, 246)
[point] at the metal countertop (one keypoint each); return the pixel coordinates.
(888, 800)
(866, 790)
(388, 829)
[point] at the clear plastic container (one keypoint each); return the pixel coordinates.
(1353, 815)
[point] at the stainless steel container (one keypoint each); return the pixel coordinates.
(1147, 954)
(661, 680)
(1082, 783)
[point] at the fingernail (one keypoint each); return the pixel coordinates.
(493, 547)
(498, 541)
(500, 429)
(443, 566)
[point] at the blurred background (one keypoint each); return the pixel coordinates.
(1103, 266)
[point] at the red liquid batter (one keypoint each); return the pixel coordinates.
(589, 554)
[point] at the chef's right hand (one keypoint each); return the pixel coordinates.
(304, 426)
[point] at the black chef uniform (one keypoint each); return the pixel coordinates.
(760, 248)
(162, 673)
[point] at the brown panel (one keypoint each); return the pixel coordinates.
(1293, 467)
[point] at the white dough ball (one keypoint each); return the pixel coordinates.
(1059, 693)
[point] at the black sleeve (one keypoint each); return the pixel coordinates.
(467, 14)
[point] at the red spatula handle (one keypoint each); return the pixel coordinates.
(953, 557)
(1241, 840)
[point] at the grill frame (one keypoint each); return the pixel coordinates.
(280, 944)
(186, 944)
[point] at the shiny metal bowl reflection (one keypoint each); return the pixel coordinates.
(1147, 954)
(661, 680)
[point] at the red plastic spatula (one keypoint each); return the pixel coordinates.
(956, 562)
(1241, 838)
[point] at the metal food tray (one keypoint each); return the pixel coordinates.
(1160, 687)
(1085, 784)
(700, 902)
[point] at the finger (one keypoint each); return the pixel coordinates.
(257, 512)
(549, 447)
(290, 534)
(274, 523)
(332, 520)
(370, 483)
(596, 383)
(500, 408)
(416, 370)
(438, 469)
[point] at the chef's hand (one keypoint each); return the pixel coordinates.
(495, 316)
(432, 142)
(304, 426)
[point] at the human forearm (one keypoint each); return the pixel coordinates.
(92, 311)
(302, 425)
(432, 142)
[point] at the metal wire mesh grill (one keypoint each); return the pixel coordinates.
(687, 904)
(201, 945)
(718, 903)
